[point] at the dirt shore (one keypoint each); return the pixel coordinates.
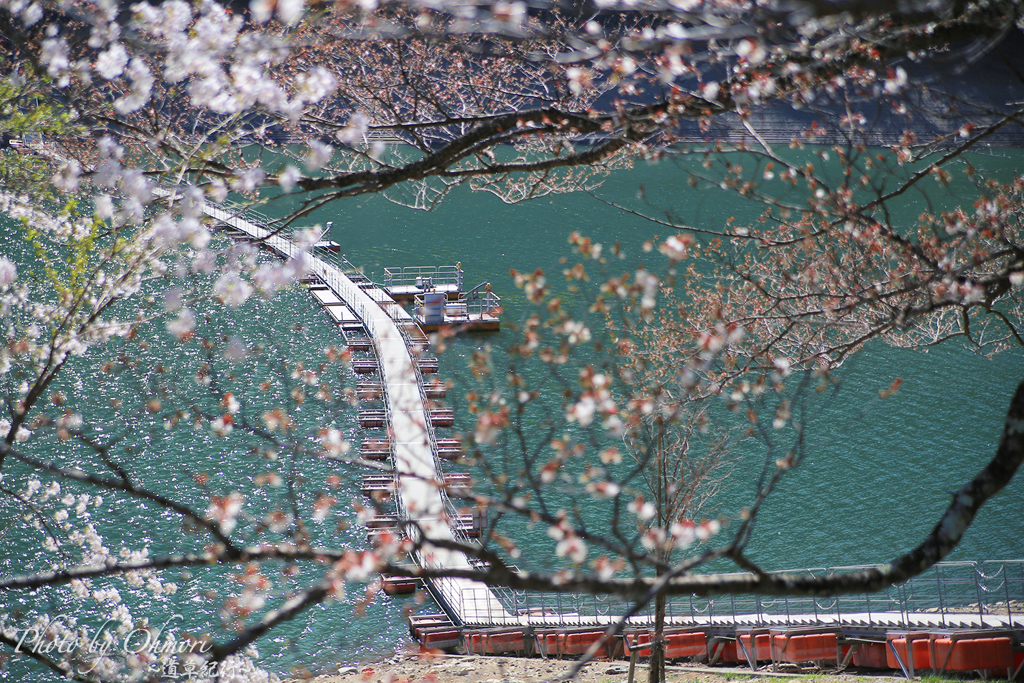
(492, 669)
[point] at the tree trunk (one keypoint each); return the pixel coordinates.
(657, 672)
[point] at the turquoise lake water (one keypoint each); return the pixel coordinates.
(878, 475)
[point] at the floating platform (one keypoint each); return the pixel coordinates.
(401, 585)
(378, 486)
(459, 483)
(407, 294)
(427, 365)
(435, 389)
(449, 449)
(359, 343)
(478, 309)
(483, 323)
(369, 391)
(435, 631)
(364, 366)
(382, 522)
(441, 417)
(383, 535)
(418, 342)
(328, 245)
(326, 297)
(369, 419)
(403, 284)
(336, 308)
(375, 449)
(470, 521)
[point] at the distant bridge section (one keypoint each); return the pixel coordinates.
(413, 448)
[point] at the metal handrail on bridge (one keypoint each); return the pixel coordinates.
(471, 304)
(976, 595)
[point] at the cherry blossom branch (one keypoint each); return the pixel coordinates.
(39, 515)
(943, 538)
(958, 151)
(292, 607)
(266, 553)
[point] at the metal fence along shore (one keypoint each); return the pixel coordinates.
(986, 594)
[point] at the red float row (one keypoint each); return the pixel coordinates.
(545, 643)
(435, 632)
(484, 643)
(938, 651)
(568, 644)
(953, 651)
(693, 644)
(807, 647)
